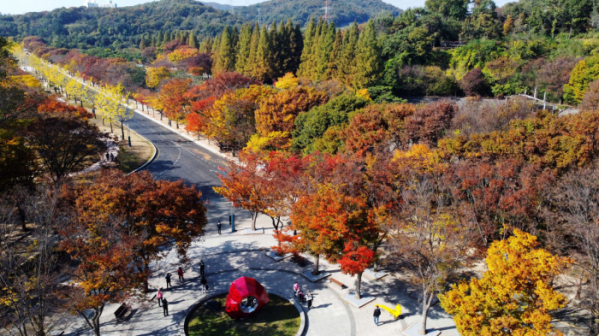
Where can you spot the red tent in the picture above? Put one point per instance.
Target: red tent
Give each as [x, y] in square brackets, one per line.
[246, 296]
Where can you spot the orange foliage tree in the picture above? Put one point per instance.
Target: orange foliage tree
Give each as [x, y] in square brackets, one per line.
[172, 96]
[355, 261]
[160, 213]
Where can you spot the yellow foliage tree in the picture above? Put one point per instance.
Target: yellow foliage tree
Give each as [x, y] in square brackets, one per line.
[289, 81]
[28, 81]
[514, 297]
[155, 75]
[363, 94]
[181, 54]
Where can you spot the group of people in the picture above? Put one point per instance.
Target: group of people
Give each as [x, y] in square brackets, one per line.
[301, 296]
[162, 302]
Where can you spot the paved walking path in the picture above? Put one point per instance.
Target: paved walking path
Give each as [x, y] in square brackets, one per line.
[232, 255]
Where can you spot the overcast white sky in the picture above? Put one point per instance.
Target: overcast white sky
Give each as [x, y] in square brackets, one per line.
[24, 6]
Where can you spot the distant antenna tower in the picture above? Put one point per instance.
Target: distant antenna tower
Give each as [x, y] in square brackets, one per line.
[259, 17]
[326, 10]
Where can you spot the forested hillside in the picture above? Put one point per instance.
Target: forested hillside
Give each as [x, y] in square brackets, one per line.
[342, 12]
[116, 27]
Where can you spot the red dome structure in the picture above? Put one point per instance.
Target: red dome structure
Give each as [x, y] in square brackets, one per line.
[246, 296]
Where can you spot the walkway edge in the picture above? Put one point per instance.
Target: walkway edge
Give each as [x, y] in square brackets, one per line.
[217, 152]
[151, 159]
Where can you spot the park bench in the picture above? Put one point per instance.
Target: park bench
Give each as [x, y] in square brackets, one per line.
[337, 282]
[121, 312]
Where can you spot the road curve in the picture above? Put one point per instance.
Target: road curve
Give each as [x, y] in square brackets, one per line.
[179, 158]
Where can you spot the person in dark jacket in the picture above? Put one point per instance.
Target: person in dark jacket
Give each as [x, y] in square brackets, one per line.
[309, 299]
[168, 280]
[219, 226]
[377, 313]
[165, 307]
[202, 267]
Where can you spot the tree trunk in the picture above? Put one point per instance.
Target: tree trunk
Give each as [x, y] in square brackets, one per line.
[358, 286]
[177, 122]
[122, 130]
[111, 128]
[254, 218]
[315, 271]
[81, 102]
[426, 304]
[22, 217]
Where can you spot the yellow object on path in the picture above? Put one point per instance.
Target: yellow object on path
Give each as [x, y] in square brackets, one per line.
[394, 312]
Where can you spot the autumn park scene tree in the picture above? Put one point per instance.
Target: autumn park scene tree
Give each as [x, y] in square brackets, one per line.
[439, 162]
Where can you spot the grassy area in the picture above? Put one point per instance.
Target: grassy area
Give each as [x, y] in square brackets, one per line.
[279, 317]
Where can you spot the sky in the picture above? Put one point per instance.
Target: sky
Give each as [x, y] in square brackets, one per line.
[24, 6]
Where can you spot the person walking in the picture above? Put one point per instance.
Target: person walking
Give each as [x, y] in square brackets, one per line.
[159, 297]
[377, 313]
[168, 280]
[296, 288]
[309, 299]
[218, 226]
[202, 268]
[165, 307]
[180, 273]
[204, 284]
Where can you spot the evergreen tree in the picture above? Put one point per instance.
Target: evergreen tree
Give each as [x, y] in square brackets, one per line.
[142, 43]
[251, 64]
[368, 58]
[167, 37]
[303, 70]
[173, 36]
[235, 39]
[296, 47]
[335, 58]
[321, 27]
[225, 57]
[153, 41]
[325, 47]
[347, 65]
[193, 40]
[215, 44]
[159, 38]
[276, 52]
[263, 69]
[243, 48]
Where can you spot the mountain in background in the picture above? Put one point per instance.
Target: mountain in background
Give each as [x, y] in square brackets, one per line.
[81, 27]
[342, 12]
[219, 5]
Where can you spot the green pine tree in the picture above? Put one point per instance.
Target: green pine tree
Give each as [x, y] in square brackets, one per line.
[334, 59]
[251, 63]
[225, 56]
[368, 58]
[142, 43]
[325, 48]
[159, 38]
[243, 48]
[263, 63]
[193, 40]
[303, 70]
[347, 66]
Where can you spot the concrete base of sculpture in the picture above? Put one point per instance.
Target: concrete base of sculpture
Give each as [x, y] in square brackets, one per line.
[358, 303]
[370, 273]
[413, 331]
[315, 278]
[274, 256]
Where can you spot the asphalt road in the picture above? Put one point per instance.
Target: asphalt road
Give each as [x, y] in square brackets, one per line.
[179, 158]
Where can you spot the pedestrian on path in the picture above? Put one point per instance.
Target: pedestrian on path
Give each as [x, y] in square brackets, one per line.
[165, 307]
[107, 157]
[159, 297]
[309, 299]
[168, 280]
[204, 285]
[202, 266]
[180, 273]
[377, 313]
[111, 157]
[296, 288]
[219, 225]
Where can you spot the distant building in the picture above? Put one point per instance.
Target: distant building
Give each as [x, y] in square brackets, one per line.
[93, 3]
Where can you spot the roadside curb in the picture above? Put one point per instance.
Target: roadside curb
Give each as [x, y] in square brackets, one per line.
[151, 159]
[215, 151]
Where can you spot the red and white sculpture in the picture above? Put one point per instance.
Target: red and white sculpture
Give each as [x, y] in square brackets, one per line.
[246, 296]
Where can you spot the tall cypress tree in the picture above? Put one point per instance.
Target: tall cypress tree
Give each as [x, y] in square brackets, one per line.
[263, 68]
[334, 59]
[159, 38]
[368, 58]
[142, 43]
[193, 40]
[303, 70]
[347, 66]
[255, 40]
[296, 48]
[153, 41]
[243, 48]
[225, 57]
[325, 47]
[314, 54]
